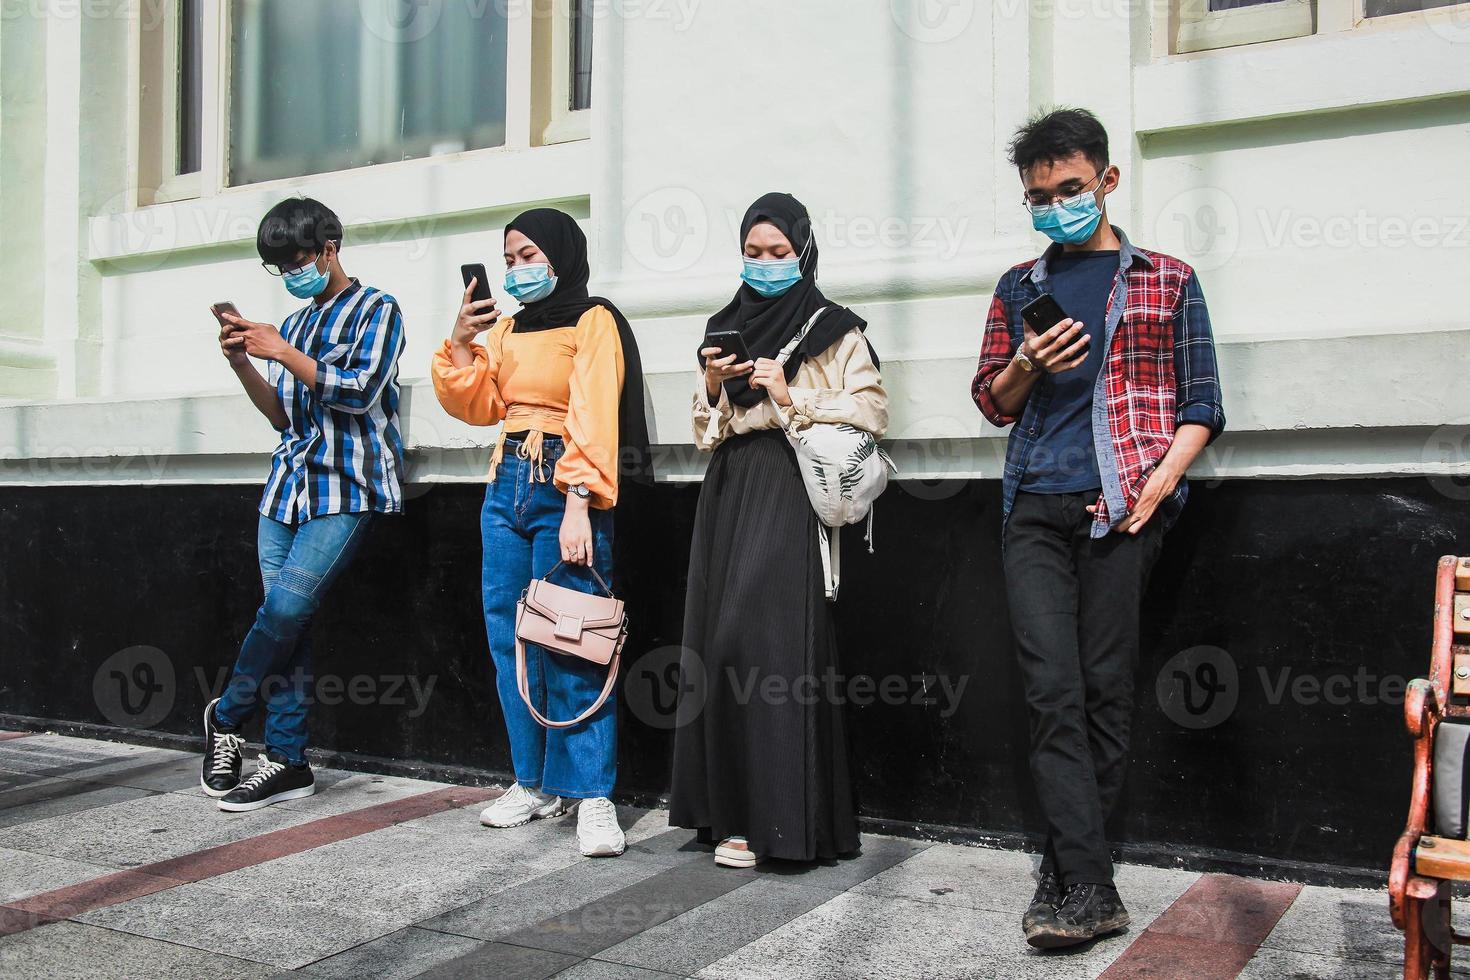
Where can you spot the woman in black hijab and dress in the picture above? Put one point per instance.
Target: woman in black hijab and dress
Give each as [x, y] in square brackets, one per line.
[760, 776]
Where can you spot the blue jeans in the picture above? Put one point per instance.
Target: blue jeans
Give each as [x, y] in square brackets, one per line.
[298, 564]
[519, 525]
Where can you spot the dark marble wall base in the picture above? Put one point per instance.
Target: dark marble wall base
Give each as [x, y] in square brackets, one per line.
[1279, 628]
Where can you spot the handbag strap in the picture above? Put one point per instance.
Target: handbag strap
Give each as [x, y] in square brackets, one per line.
[523, 682]
[795, 342]
[606, 590]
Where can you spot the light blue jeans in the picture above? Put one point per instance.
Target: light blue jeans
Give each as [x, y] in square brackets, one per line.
[298, 564]
[520, 526]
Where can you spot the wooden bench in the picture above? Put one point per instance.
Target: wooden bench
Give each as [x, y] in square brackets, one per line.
[1426, 866]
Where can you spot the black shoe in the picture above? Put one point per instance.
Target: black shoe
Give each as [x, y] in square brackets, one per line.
[222, 756]
[1043, 907]
[1088, 911]
[273, 781]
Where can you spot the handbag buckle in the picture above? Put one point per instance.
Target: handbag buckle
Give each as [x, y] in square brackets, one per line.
[568, 627]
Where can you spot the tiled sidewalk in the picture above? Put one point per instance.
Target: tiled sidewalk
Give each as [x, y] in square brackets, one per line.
[113, 863]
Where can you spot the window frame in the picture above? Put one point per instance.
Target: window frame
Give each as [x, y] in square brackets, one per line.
[552, 118]
[154, 109]
[1189, 28]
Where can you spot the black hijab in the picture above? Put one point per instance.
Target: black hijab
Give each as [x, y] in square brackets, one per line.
[565, 247]
[768, 324]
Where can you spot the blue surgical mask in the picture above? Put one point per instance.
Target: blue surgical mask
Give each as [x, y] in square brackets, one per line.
[771, 277]
[1068, 222]
[306, 282]
[529, 283]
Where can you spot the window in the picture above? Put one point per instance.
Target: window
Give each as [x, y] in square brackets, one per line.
[562, 42]
[335, 84]
[1199, 25]
[171, 69]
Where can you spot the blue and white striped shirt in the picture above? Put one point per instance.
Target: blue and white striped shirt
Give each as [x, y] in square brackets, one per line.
[343, 451]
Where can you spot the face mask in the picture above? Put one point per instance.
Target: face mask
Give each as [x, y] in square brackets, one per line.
[306, 282]
[1068, 222]
[529, 283]
[772, 277]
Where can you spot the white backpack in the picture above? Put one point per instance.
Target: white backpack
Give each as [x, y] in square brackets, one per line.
[844, 471]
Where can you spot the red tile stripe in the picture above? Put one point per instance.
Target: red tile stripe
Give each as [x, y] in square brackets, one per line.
[123, 886]
[1210, 933]
[7, 736]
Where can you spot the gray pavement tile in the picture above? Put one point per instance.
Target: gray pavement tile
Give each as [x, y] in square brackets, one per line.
[1280, 964]
[283, 933]
[403, 876]
[53, 797]
[141, 831]
[340, 791]
[503, 963]
[23, 874]
[863, 936]
[68, 950]
[1350, 923]
[599, 924]
[396, 956]
[1003, 881]
[164, 771]
[507, 911]
[59, 755]
[600, 970]
[688, 943]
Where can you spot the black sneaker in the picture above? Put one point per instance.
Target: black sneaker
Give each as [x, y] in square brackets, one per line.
[1088, 911]
[222, 756]
[273, 781]
[1043, 907]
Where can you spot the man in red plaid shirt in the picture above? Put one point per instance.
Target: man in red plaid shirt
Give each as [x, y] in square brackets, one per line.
[1110, 404]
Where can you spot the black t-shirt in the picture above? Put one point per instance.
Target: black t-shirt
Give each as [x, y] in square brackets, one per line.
[1063, 459]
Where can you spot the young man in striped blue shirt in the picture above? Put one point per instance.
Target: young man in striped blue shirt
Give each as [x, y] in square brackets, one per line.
[331, 390]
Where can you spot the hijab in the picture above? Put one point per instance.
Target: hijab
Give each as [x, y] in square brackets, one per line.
[565, 247]
[769, 323]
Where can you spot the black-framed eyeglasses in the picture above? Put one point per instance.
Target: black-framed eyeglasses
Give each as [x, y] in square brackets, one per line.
[280, 270]
[1047, 200]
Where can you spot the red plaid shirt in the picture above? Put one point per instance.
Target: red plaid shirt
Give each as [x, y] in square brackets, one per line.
[1159, 372]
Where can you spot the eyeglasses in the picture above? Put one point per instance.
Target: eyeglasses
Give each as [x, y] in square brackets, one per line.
[1040, 202]
[284, 271]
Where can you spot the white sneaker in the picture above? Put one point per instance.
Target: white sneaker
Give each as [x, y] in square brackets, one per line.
[598, 832]
[518, 806]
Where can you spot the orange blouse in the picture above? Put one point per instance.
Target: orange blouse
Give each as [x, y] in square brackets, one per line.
[564, 381]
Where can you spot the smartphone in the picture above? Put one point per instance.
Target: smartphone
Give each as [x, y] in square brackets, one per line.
[476, 271]
[729, 342]
[221, 308]
[1043, 313]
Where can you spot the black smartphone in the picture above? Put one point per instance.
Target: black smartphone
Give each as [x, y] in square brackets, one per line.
[222, 307]
[729, 342]
[476, 271]
[1043, 313]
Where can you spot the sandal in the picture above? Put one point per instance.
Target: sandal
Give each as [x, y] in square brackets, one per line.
[735, 852]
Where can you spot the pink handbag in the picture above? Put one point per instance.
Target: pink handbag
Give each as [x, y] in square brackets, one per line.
[573, 624]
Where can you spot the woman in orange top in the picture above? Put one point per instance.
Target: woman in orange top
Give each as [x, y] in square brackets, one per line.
[563, 378]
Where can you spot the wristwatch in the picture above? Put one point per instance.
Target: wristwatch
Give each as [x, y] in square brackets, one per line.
[1026, 363]
[580, 490]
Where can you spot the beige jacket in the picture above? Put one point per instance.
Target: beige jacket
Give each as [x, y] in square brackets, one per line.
[841, 384]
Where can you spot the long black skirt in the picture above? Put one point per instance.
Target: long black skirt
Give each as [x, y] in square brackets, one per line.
[760, 751]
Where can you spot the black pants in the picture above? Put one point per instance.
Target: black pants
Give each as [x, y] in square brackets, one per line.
[1074, 610]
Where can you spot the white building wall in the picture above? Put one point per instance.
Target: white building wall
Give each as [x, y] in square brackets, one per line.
[1317, 183]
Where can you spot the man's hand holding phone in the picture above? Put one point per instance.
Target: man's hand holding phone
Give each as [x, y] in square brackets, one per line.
[241, 336]
[1060, 348]
[234, 353]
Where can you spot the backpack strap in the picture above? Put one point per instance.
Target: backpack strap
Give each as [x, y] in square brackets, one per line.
[829, 543]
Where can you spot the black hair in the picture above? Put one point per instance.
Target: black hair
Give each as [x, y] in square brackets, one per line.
[1057, 134]
[296, 225]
